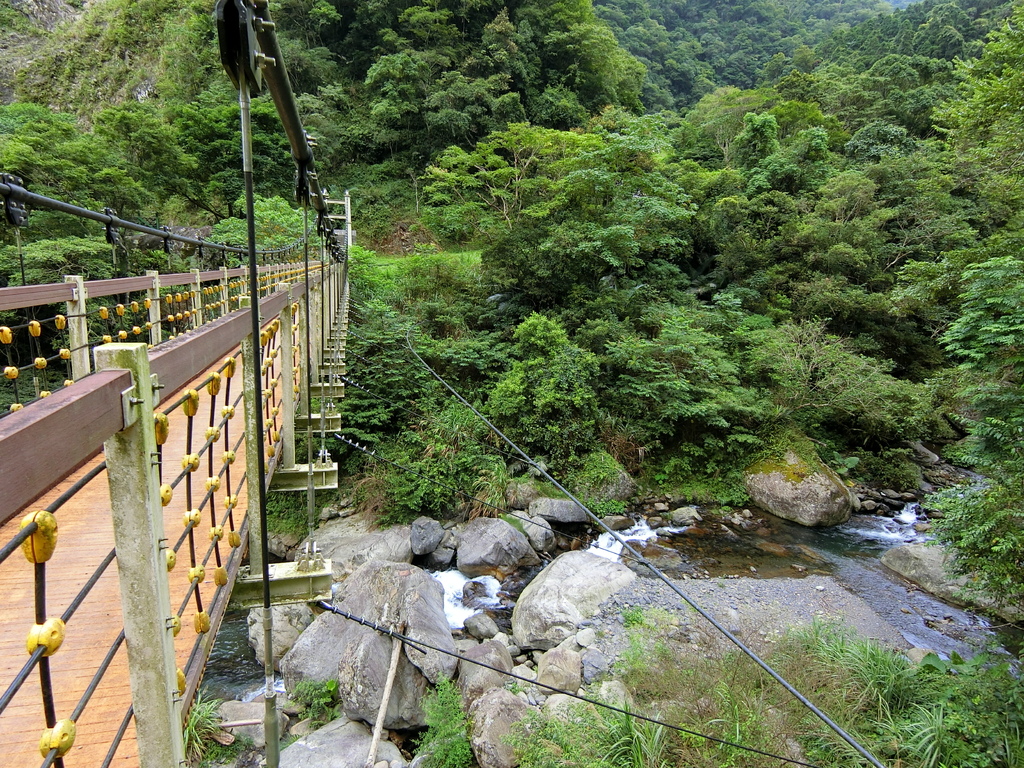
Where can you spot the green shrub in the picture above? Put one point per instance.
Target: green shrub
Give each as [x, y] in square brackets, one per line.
[446, 742]
[319, 700]
[889, 468]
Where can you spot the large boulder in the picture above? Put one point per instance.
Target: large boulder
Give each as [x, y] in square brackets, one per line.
[287, 622]
[801, 489]
[565, 593]
[476, 680]
[519, 495]
[351, 541]
[426, 535]
[539, 534]
[560, 668]
[492, 717]
[925, 565]
[391, 595]
[558, 510]
[339, 744]
[315, 655]
[491, 547]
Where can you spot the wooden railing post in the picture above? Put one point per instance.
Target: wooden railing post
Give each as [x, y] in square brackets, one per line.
[225, 292]
[197, 305]
[155, 317]
[142, 564]
[78, 329]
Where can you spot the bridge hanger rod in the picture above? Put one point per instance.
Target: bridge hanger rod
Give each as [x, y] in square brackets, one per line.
[276, 76]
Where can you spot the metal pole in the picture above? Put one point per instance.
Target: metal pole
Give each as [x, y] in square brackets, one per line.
[310, 490]
[270, 722]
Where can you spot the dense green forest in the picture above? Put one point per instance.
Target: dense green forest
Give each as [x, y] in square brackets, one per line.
[692, 232]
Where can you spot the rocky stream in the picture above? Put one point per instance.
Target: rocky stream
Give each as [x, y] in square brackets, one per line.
[544, 594]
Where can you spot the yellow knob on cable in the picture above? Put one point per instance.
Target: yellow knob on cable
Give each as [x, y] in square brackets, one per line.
[39, 547]
[49, 635]
[201, 622]
[191, 404]
[61, 738]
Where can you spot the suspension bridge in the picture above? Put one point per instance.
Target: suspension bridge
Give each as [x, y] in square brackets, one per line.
[148, 416]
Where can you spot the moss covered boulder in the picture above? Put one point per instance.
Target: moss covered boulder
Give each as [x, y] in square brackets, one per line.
[799, 487]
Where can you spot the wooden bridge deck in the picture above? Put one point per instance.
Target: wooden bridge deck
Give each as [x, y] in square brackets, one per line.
[85, 538]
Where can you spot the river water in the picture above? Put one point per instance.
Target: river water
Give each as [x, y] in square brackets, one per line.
[769, 548]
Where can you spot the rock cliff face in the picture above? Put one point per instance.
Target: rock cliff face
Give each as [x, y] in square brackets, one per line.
[801, 489]
[44, 13]
[21, 39]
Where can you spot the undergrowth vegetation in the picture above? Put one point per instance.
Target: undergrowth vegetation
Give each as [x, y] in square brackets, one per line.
[936, 714]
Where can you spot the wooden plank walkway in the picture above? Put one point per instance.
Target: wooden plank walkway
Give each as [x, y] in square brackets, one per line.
[85, 539]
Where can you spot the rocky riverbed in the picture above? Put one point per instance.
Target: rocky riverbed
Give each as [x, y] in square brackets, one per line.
[756, 574]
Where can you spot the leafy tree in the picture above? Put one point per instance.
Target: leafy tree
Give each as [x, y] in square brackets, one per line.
[546, 401]
[278, 224]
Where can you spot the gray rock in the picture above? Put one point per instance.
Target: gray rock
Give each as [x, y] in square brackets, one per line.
[685, 516]
[482, 626]
[539, 534]
[567, 591]
[302, 728]
[586, 637]
[425, 535]
[558, 510]
[618, 522]
[245, 711]
[392, 595]
[350, 542]
[339, 744]
[804, 491]
[520, 495]
[492, 547]
[440, 558]
[475, 680]
[282, 545]
[595, 665]
[926, 565]
[560, 668]
[561, 707]
[315, 655]
[287, 622]
[524, 671]
[614, 692]
[619, 487]
[492, 717]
